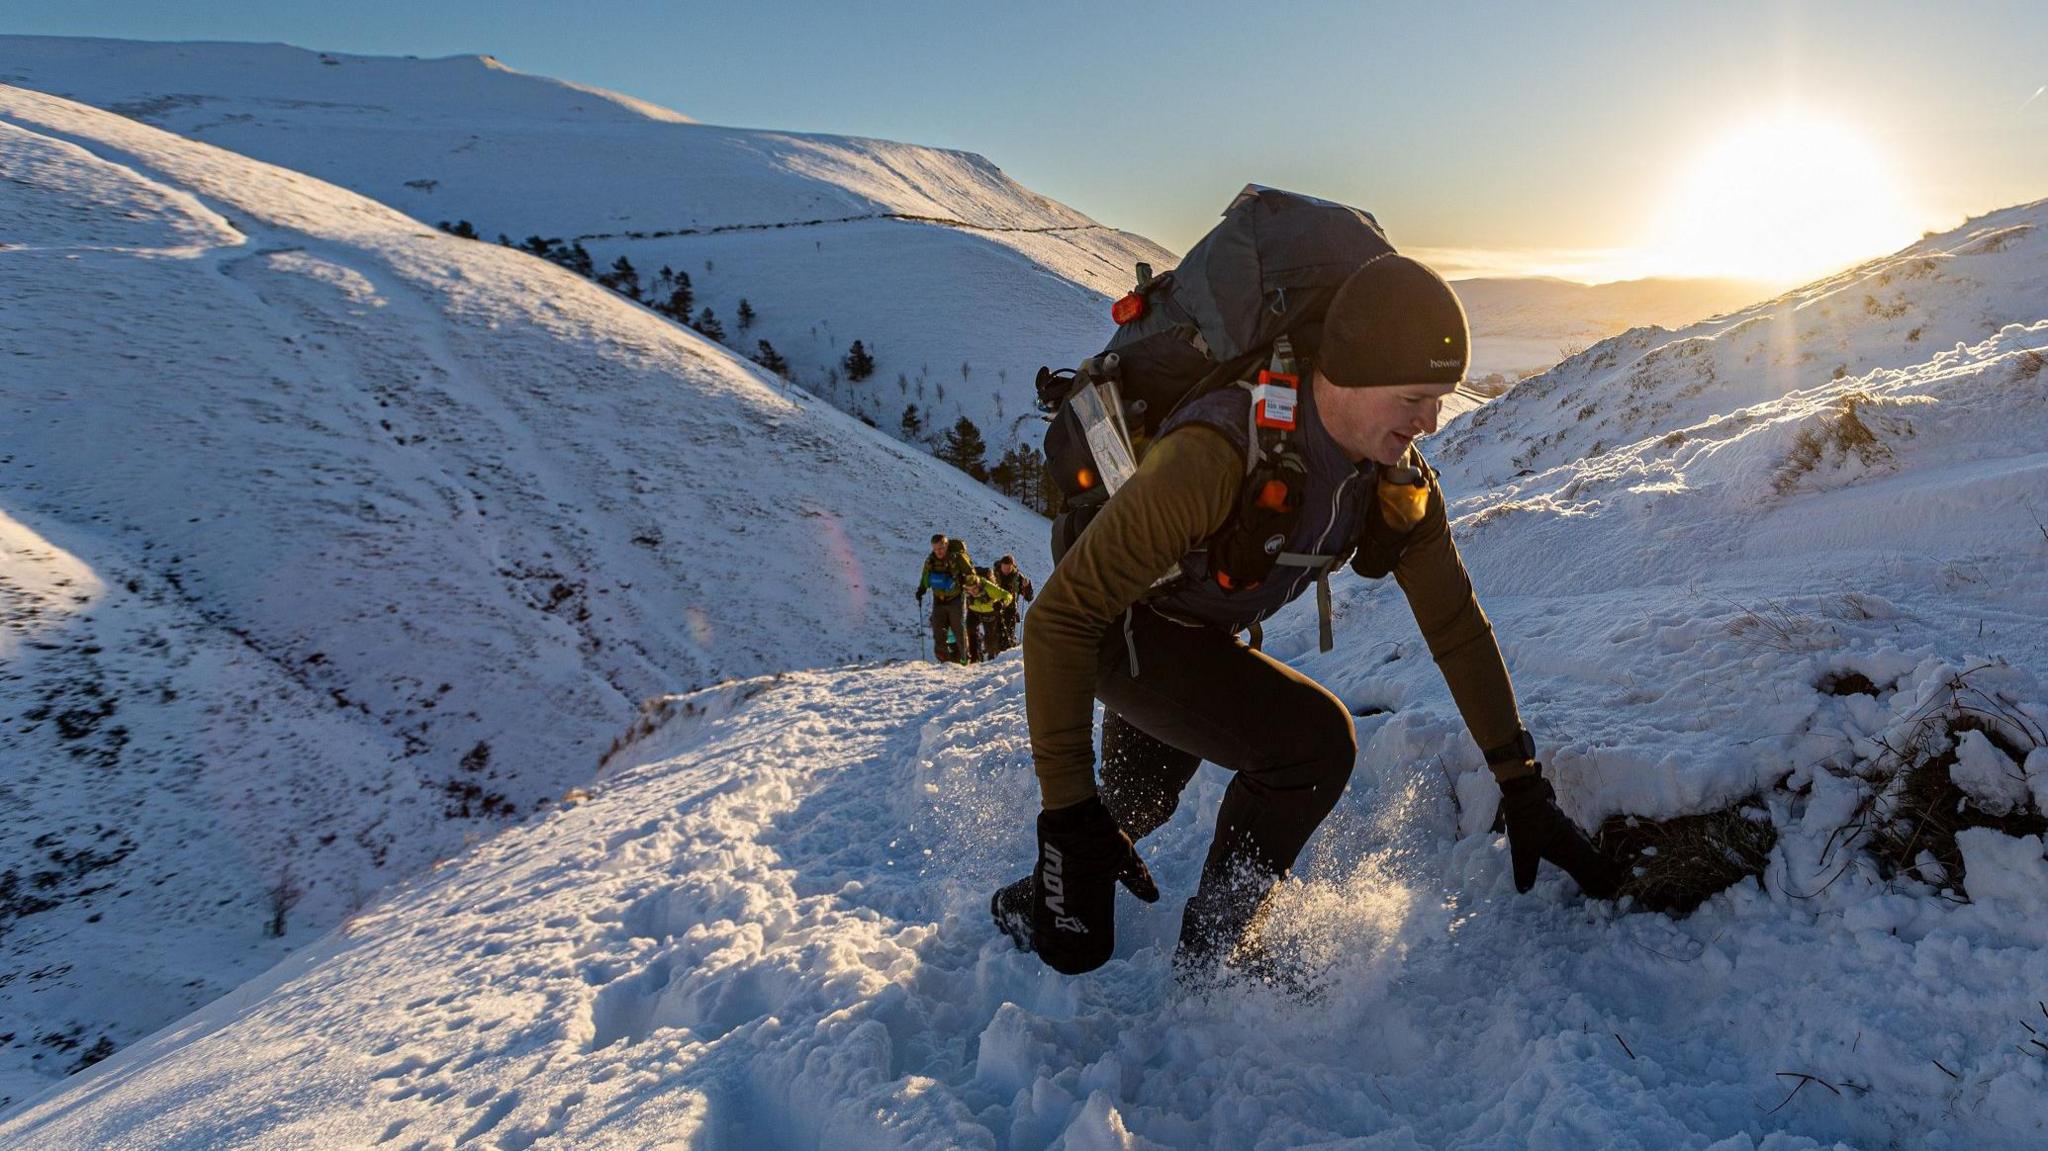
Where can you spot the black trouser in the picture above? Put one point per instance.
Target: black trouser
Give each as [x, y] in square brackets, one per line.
[949, 613]
[984, 634]
[1006, 630]
[1196, 694]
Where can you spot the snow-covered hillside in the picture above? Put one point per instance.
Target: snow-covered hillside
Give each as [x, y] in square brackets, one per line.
[328, 541]
[1937, 301]
[1819, 621]
[933, 259]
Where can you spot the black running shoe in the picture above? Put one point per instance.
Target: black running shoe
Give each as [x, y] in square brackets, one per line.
[1010, 907]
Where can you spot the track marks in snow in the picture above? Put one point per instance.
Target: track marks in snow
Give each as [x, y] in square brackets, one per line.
[494, 1108]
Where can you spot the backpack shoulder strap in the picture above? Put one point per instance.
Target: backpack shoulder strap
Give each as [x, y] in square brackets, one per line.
[1259, 415]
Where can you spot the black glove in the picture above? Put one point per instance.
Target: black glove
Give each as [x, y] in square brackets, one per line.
[920, 595]
[1537, 830]
[1082, 856]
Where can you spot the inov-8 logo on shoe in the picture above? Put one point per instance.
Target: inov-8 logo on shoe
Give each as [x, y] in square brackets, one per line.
[1054, 891]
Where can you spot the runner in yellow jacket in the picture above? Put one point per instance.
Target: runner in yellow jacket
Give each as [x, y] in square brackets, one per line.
[986, 603]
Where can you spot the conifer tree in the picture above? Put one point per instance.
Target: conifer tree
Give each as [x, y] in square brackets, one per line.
[746, 314]
[623, 278]
[766, 356]
[964, 448]
[707, 323]
[681, 299]
[913, 424]
[577, 260]
[1044, 490]
[858, 363]
[1003, 476]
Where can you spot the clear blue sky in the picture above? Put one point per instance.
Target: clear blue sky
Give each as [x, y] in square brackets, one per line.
[1511, 127]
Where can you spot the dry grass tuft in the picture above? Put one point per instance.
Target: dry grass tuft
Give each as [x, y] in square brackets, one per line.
[1675, 865]
[1922, 809]
[1776, 627]
[1834, 437]
[1909, 819]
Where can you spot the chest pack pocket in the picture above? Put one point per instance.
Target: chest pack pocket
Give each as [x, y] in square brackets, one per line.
[1397, 507]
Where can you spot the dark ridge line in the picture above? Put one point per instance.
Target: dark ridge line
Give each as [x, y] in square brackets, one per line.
[941, 221]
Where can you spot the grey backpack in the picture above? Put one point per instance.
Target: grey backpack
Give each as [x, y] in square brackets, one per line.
[1267, 270]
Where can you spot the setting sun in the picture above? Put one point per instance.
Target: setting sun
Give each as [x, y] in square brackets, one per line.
[1782, 199]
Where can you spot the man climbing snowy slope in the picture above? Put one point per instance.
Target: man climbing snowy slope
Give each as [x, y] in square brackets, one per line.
[1179, 687]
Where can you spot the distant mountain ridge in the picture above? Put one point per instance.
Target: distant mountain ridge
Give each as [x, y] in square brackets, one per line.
[1523, 325]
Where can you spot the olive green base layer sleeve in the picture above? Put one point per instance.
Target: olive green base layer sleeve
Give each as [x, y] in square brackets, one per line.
[1182, 493]
[1459, 635]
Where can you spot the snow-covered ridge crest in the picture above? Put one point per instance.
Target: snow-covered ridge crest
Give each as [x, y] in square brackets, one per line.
[959, 280]
[381, 536]
[661, 170]
[451, 87]
[645, 108]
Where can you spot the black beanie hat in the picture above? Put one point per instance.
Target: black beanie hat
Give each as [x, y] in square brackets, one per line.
[1394, 322]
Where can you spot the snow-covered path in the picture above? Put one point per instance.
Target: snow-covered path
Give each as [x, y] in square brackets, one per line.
[767, 929]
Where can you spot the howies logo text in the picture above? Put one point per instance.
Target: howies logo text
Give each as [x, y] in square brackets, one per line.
[1447, 363]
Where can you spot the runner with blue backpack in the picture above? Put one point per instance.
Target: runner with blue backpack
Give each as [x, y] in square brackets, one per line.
[945, 575]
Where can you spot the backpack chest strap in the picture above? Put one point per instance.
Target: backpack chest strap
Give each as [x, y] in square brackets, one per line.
[1325, 637]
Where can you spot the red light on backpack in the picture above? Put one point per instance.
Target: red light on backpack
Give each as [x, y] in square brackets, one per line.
[1084, 479]
[1127, 309]
[1224, 581]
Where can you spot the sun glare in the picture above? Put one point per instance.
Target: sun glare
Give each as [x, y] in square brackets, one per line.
[1784, 199]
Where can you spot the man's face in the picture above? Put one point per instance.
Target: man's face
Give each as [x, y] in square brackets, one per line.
[1377, 424]
[939, 549]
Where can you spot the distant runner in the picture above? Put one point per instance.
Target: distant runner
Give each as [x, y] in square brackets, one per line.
[986, 603]
[945, 575]
[1019, 587]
